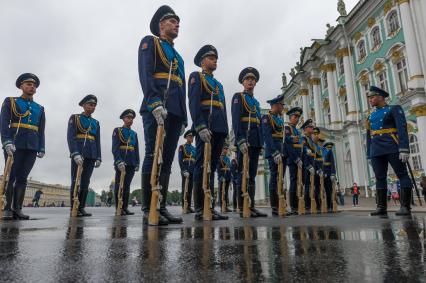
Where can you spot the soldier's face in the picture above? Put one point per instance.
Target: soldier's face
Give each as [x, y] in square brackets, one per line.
[277, 108]
[309, 130]
[29, 88]
[128, 121]
[375, 100]
[316, 137]
[225, 151]
[169, 27]
[249, 83]
[89, 108]
[189, 139]
[294, 119]
[209, 63]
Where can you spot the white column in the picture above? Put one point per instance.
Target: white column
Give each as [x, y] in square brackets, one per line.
[349, 81]
[420, 112]
[332, 95]
[414, 64]
[358, 156]
[304, 92]
[315, 82]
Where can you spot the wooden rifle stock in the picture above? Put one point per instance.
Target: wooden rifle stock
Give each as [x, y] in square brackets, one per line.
[154, 216]
[207, 212]
[334, 196]
[120, 193]
[322, 194]
[76, 202]
[301, 203]
[185, 196]
[4, 182]
[244, 190]
[223, 206]
[281, 190]
[312, 194]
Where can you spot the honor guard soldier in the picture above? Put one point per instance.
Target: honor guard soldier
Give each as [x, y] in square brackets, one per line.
[319, 165]
[309, 167]
[187, 161]
[329, 172]
[22, 135]
[234, 176]
[248, 134]
[294, 145]
[387, 143]
[84, 144]
[208, 113]
[224, 176]
[125, 149]
[273, 131]
[162, 77]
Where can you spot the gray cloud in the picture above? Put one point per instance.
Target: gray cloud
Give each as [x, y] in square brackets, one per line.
[80, 47]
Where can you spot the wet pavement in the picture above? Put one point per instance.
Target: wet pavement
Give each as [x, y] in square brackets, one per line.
[343, 247]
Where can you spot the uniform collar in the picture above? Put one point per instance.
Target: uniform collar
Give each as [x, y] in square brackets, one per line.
[206, 73]
[249, 93]
[83, 114]
[168, 40]
[26, 99]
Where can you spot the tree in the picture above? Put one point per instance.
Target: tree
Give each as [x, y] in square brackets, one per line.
[136, 193]
[174, 197]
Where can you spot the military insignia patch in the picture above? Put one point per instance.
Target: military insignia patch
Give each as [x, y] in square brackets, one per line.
[144, 46]
[235, 100]
[265, 120]
[287, 131]
[193, 81]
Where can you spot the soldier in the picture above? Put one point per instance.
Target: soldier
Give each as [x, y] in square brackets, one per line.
[162, 77]
[224, 176]
[319, 172]
[125, 148]
[387, 143]
[234, 174]
[208, 113]
[248, 133]
[84, 144]
[329, 172]
[273, 131]
[293, 142]
[22, 135]
[308, 160]
[187, 155]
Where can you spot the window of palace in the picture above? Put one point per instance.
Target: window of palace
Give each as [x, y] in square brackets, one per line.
[402, 75]
[324, 80]
[393, 23]
[341, 66]
[376, 38]
[362, 53]
[382, 80]
[415, 152]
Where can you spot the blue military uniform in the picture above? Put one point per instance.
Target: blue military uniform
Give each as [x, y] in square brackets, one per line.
[125, 148]
[309, 161]
[273, 135]
[319, 169]
[157, 56]
[224, 175]
[22, 125]
[234, 176]
[247, 127]
[294, 149]
[205, 94]
[329, 168]
[187, 155]
[83, 136]
[387, 139]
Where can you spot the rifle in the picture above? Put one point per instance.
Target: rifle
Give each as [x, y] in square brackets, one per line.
[244, 190]
[323, 200]
[281, 190]
[185, 196]
[414, 183]
[76, 188]
[301, 204]
[120, 193]
[5, 182]
[154, 207]
[223, 206]
[334, 194]
[207, 212]
[312, 193]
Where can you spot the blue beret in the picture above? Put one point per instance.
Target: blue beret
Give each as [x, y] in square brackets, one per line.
[128, 112]
[163, 13]
[27, 77]
[206, 50]
[329, 143]
[278, 99]
[189, 133]
[308, 123]
[248, 72]
[295, 110]
[377, 91]
[90, 98]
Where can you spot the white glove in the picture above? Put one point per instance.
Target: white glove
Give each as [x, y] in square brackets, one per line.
[244, 148]
[10, 149]
[160, 114]
[186, 174]
[40, 154]
[404, 157]
[319, 172]
[136, 168]
[299, 163]
[78, 159]
[205, 135]
[311, 170]
[97, 163]
[121, 166]
[333, 178]
[277, 158]
[182, 130]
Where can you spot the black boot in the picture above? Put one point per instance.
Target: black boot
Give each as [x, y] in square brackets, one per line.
[273, 198]
[126, 194]
[198, 200]
[382, 204]
[164, 183]
[405, 209]
[146, 201]
[82, 196]
[7, 213]
[293, 203]
[252, 191]
[18, 200]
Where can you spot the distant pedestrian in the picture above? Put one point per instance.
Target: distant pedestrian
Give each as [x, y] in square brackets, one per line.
[340, 195]
[355, 195]
[423, 185]
[62, 204]
[37, 197]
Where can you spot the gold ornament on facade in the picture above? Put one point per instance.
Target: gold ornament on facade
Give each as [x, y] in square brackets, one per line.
[371, 22]
[316, 45]
[419, 111]
[328, 67]
[379, 66]
[342, 52]
[326, 104]
[399, 2]
[342, 91]
[396, 56]
[312, 114]
[388, 6]
[314, 81]
[304, 91]
[410, 128]
[357, 36]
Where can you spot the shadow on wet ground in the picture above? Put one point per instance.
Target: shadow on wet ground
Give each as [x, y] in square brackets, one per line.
[339, 247]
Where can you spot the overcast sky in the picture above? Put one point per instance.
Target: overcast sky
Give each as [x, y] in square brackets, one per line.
[79, 47]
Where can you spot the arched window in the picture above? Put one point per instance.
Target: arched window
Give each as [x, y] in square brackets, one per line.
[341, 66]
[361, 50]
[393, 23]
[324, 80]
[402, 74]
[415, 152]
[382, 80]
[375, 38]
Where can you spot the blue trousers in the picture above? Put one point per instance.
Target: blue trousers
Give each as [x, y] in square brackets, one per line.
[88, 165]
[380, 168]
[293, 177]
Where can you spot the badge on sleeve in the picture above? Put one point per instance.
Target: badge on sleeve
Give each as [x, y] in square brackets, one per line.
[236, 101]
[144, 45]
[193, 80]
